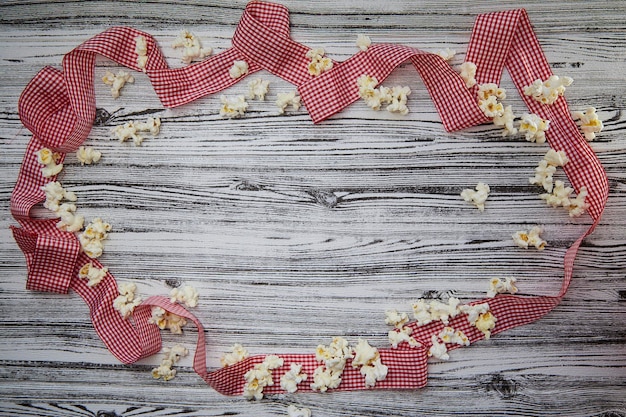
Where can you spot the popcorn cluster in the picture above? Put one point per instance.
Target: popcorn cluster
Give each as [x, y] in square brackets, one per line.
[94, 274]
[500, 286]
[290, 380]
[368, 359]
[334, 357]
[237, 354]
[534, 128]
[284, 100]
[87, 155]
[91, 239]
[131, 130]
[525, 239]
[192, 47]
[166, 320]
[117, 81]
[477, 196]
[395, 98]
[260, 377]
[400, 334]
[589, 122]
[239, 69]
[186, 295]
[50, 161]
[480, 316]
[55, 193]
[126, 302]
[172, 356]
[547, 92]
[427, 311]
[363, 42]
[293, 411]
[319, 63]
[141, 49]
[468, 72]
[233, 106]
[439, 349]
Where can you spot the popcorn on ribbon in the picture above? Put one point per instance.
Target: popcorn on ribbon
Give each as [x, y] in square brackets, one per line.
[50, 161]
[480, 316]
[126, 302]
[534, 128]
[172, 356]
[525, 239]
[398, 336]
[237, 354]
[426, 312]
[70, 221]
[319, 63]
[166, 320]
[468, 72]
[239, 69]
[501, 285]
[192, 47]
[507, 121]
[589, 122]
[293, 411]
[94, 274]
[290, 380]
[334, 358]
[257, 89]
[91, 239]
[260, 377]
[284, 100]
[368, 359]
[55, 193]
[131, 130]
[363, 42]
[87, 155]
[447, 335]
[117, 81]
[141, 49]
[233, 106]
[547, 92]
[447, 54]
[477, 196]
[395, 97]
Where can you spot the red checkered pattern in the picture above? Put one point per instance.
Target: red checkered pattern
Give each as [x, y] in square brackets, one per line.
[58, 107]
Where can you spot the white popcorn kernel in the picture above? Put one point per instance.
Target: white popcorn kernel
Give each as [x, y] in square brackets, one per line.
[260, 377]
[485, 323]
[94, 274]
[421, 312]
[578, 205]
[233, 106]
[166, 320]
[284, 100]
[192, 47]
[126, 302]
[335, 355]
[474, 311]
[70, 221]
[500, 286]
[398, 336]
[399, 97]
[491, 107]
[364, 353]
[87, 155]
[468, 72]
[363, 42]
[589, 122]
[447, 54]
[368, 358]
[55, 193]
[547, 92]
[239, 69]
[534, 128]
[490, 90]
[325, 379]
[293, 411]
[398, 320]
[128, 131]
[544, 175]
[186, 295]
[141, 49]
[559, 195]
[92, 247]
[290, 380]
[172, 356]
[257, 89]
[557, 159]
[438, 350]
[506, 120]
[50, 161]
[319, 63]
[373, 372]
[152, 125]
[449, 335]
[525, 239]
[477, 196]
[93, 235]
[237, 354]
[117, 81]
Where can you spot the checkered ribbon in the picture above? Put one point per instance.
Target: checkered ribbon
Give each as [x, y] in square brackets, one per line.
[58, 107]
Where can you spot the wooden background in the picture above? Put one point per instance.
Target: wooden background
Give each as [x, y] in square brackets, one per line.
[294, 232]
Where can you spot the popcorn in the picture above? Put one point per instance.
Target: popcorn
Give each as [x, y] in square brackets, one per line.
[50, 162]
[325, 379]
[525, 239]
[438, 350]
[94, 274]
[399, 97]
[294, 411]
[402, 335]
[543, 175]
[435, 310]
[318, 63]
[70, 221]
[490, 90]
[557, 159]
[166, 320]
[468, 72]
[363, 42]
[474, 311]
[559, 196]
[239, 69]
[152, 125]
[87, 155]
[491, 107]
[238, 353]
[506, 120]
[257, 89]
[368, 358]
[260, 377]
[485, 323]
[186, 295]
[91, 238]
[55, 193]
[290, 380]
[534, 127]
[126, 302]
[284, 100]
[141, 49]
[477, 196]
[233, 107]
[192, 48]
[578, 205]
[398, 320]
[499, 286]
[172, 356]
[130, 130]
[117, 81]
[447, 54]
[395, 97]
[589, 122]
[335, 355]
[549, 91]
[449, 335]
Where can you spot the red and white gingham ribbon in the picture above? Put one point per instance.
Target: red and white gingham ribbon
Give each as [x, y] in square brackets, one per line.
[58, 107]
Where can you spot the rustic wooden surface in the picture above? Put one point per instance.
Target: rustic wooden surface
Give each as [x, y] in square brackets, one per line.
[294, 232]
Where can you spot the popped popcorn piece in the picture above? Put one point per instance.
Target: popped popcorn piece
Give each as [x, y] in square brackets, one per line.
[319, 63]
[506, 120]
[283, 100]
[557, 159]
[485, 323]
[239, 69]
[97, 229]
[335, 355]
[534, 128]
[398, 336]
[559, 195]
[525, 239]
[166, 320]
[589, 122]
[490, 90]
[395, 97]
[500, 285]
[117, 81]
[260, 377]
[238, 353]
[126, 302]
[364, 353]
[547, 92]
[130, 130]
[93, 235]
[447, 54]
[293, 411]
[474, 311]
[398, 320]
[491, 107]
[363, 42]
[290, 380]
[70, 221]
[435, 310]
[55, 193]
[544, 175]
[172, 356]
[141, 49]
[94, 274]
[186, 295]
[50, 161]
[468, 72]
[373, 372]
[399, 97]
[92, 247]
[257, 89]
[152, 125]
[233, 106]
[578, 205]
[325, 379]
[192, 47]
[87, 155]
[438, 350]
[449, 335]
[477, 196]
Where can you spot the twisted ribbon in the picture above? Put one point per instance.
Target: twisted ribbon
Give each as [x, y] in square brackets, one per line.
[58, 107]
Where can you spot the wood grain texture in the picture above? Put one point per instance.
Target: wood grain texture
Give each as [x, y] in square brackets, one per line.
[294, 232]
